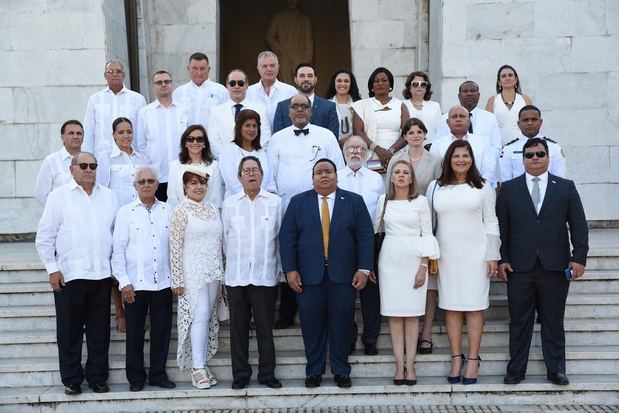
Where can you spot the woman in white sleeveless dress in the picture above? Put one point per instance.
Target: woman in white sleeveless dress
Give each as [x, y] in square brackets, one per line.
[467, 230]
[507, 102]
[380, 118]
[403, 265]
[197, 276]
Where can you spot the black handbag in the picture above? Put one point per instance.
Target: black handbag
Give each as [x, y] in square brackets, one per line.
[379, 237]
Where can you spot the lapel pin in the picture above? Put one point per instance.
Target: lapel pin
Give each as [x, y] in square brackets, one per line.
[554, 182]
[341, 197]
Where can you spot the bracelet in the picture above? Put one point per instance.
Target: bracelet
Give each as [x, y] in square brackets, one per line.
[424, 265]
[391, 150]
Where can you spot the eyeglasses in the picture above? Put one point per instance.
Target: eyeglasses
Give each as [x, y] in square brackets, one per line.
[192, 139]
[149, 181]
[162, 82]
[419, 84]
[114, 72]
[353, 149]
[250, 171]
[233, 83]
[84, 166]
[539, 154]
[297, 106]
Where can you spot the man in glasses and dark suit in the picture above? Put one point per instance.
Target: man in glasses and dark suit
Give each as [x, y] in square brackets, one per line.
[74, 241]
[534, 211]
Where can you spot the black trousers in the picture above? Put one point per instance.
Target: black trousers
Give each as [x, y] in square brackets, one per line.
[243, 301]
[162, 192]
[287, 303]
[83, 305]
[546, 290]
[159, 303]
[370, 310]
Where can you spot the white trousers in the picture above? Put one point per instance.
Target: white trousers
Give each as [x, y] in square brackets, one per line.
[199, 326]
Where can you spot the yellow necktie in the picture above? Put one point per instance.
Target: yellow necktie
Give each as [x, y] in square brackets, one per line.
[324, 212]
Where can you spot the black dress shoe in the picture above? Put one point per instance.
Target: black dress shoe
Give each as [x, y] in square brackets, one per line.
[164, 384]
[99, 387]
[273, 383]
[282, 324]
[558, 378]
[370, 349]
[312, 381]
[410, 382]
[73, 390]
[238, 384]
[399, 382]
[513, 378]
[342, 380]
[136, 386]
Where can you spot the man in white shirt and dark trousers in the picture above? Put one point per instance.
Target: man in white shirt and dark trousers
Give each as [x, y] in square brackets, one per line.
[223, 117]
[141, 264]
[251, 220]
[55, 169]
[200, 94]
[74, 241]
[160, 126]
[357, 178]
[292, 154]
[104, 107]
[268, 90]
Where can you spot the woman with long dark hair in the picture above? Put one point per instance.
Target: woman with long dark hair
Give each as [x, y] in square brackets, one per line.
[343, 91]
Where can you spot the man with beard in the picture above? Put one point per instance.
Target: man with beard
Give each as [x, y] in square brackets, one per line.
[324, 112]
[357, 178]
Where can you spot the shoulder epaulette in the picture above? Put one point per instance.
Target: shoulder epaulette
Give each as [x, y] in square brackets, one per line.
[512, 141]
[549, 140]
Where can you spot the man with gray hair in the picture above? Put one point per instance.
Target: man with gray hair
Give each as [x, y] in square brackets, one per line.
[357, 178]
[141, 264]
[74, 241]
[103, 107]
[268, 90]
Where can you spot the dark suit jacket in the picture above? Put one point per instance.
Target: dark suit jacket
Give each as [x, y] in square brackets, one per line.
[324, 114]
[351, 238]
[525, 234]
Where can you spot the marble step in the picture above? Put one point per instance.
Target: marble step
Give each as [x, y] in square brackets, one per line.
[42, 343]
[365, 393]
[43, 371]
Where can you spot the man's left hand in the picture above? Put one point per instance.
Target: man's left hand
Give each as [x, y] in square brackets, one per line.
[577, 269]
[359, 280]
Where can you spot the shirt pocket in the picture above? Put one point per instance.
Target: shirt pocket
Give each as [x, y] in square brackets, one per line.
[78, 259]
[237, 224]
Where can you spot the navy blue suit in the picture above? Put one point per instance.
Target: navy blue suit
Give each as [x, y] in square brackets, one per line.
[327, 303]
[324, 114]
[537, 247]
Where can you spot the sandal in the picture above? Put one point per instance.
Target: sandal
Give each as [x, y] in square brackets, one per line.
[210, 376]
[425, 350]
[199, 379]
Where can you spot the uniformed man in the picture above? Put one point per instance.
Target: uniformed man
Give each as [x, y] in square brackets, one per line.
[530, 122]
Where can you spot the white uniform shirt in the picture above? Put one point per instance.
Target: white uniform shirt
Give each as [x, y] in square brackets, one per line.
[141, 252]
[74, 235]
[485, 156]
[292, 158]
[279, 91]
[158, 134]
[221, 124]
[55, 172]
[368, 184]
[103, 108]
[484, 125]
[229, 159]
[199, 100]
[251, 246]
[511, 160]
[116, 172]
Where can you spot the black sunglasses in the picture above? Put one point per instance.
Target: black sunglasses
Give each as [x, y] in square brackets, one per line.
[85, 165]
[191, 139]
[233, 83]
[539, 154]
[149, 181]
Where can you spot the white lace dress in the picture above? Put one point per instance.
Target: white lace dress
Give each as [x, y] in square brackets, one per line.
[196, 260]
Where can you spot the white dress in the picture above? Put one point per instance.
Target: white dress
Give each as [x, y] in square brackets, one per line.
[468, 235]
[430, 114]
[381, 122]
[195, 260]
[408, 238]
[508, 118]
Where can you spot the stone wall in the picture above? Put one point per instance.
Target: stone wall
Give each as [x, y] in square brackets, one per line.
[566, 53]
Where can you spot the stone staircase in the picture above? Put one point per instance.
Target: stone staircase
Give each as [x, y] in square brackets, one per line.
[29, 378]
